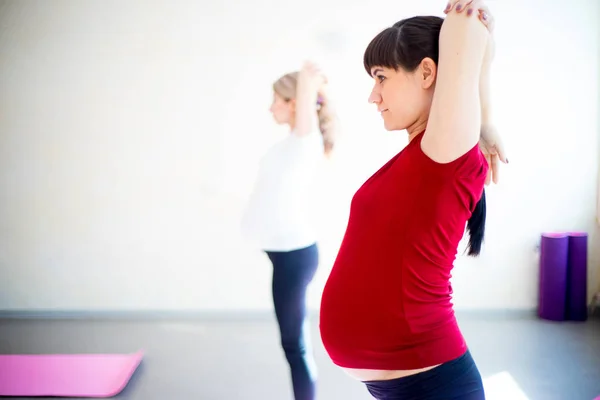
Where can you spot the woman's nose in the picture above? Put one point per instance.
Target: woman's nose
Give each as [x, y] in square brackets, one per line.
[374, 97]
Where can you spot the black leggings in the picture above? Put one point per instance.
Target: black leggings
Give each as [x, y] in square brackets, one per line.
[292, 272]
[458, 379]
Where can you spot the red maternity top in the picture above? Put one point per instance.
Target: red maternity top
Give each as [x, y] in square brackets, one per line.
[387, 302]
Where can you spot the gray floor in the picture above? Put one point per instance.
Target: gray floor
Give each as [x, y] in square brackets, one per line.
[240, 359]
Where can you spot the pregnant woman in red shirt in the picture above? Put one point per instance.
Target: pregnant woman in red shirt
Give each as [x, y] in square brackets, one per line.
[386, 312]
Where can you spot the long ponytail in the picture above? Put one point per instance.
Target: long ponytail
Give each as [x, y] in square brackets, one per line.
[476, 227]
[328, 123]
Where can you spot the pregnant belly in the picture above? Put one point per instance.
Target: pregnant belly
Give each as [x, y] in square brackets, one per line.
[364, 375]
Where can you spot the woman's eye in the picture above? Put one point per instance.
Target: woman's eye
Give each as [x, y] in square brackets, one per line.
[380, 78]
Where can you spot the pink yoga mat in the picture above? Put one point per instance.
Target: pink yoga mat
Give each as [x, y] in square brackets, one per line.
[66, 375]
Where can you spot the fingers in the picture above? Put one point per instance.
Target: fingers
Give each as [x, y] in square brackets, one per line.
[457, 5]
[493, 174]
[314, 71]
[483, 12]
[488, 177]
[500, 151]
[310, 66]
[486, 18]
[495, 168]
[472, 6]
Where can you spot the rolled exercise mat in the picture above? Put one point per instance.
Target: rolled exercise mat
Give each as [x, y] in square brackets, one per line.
[577, 309]
[66, 375]
[553, 276]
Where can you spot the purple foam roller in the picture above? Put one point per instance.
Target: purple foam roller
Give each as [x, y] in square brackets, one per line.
[553, 276]
[577, 277]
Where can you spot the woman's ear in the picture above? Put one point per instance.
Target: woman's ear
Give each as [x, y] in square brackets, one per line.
[427, 73]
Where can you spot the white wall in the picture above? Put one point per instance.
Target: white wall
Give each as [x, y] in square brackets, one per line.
[130, 133]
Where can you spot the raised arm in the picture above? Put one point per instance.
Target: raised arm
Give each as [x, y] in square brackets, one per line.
[490, 141]
[310, 80]
[486, 69]
[455, 118]
[485, 85]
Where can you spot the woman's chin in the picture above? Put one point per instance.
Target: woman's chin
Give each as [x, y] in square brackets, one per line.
[393, 125]
[389, 126]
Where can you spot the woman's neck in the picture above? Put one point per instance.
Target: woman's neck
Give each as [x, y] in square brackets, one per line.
[415, 129]
[292, 125]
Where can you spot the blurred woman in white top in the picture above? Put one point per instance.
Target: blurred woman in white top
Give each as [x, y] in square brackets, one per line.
[278, 217]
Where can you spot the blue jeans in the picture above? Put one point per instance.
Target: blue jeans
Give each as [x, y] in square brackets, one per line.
[292, 273]
[458, 379]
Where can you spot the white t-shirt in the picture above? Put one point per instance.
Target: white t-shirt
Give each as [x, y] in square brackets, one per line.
[278, 215]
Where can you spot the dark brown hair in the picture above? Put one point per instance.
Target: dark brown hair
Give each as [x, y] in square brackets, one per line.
[403, 46]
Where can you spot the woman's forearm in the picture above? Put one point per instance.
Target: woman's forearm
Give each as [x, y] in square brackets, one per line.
[306, 100]
[485, 96]
[485, 88]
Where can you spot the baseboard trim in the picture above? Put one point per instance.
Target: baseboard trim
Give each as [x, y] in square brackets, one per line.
[497, 313]
[216, 315]
[141, 315]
